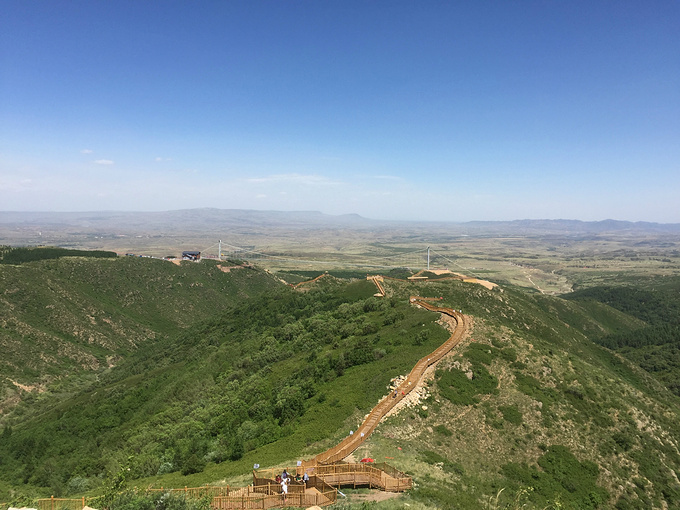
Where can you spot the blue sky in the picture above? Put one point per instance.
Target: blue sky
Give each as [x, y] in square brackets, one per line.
[477, 110]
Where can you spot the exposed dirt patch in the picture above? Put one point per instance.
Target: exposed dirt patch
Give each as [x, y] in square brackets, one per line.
[227, 269]
[483, 283]
[27, 387]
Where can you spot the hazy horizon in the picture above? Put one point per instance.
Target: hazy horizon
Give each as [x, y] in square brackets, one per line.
[314, 212]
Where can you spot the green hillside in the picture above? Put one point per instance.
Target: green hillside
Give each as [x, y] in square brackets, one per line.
[654, 342]
[529, 411]
[66, 317]
[567, 422]
[225, 387]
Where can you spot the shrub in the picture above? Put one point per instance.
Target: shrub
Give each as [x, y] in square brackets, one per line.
[193, 464]
[511, 414]
[480, 353]
[134, 500]
[441, 429]
[447, 465]
[421, 338]
[623, 440]
[455, 386]
[562, 477]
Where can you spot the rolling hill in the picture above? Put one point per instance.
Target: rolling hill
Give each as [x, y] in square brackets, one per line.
[71, 316]
[529, 411]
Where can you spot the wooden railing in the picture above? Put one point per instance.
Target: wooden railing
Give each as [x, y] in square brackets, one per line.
[374, 476]
[263, 501]
[314, 492]
[80, 503]
[62, 503]
[324, 477]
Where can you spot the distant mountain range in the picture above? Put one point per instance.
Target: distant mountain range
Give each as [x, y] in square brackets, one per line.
[573, 226]
[194, 219]
[206, 219]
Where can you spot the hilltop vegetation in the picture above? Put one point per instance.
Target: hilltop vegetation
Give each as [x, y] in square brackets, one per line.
[10, 255]
[529, 411]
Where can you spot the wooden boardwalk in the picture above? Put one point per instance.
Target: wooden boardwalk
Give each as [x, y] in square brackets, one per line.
[353, 441]
[326, 477]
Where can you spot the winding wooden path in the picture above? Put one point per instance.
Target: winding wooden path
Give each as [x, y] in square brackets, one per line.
[353, 441]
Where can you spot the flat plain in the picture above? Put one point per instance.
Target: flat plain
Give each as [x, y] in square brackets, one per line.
[550, 257]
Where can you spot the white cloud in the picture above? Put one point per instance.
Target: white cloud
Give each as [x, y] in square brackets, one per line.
[294, 178]
[389, 177]
[15, 184]
[162, 159]
[104, 162]
[86, 151]
[261, 195]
